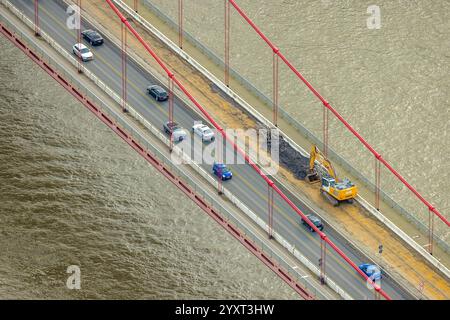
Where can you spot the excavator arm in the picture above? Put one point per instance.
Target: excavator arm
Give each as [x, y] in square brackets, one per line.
[316, 154]
[330, 170]
[312, 157]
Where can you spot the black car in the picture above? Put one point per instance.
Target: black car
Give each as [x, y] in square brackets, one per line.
[158, 93]
[93, 37]
[314, 220]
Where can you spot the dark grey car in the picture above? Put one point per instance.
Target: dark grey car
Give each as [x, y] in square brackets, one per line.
[315, 220]
[175, 131]
[157, 92]
[93, 37]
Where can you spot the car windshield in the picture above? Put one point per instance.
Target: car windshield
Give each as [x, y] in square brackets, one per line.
[84, 50]
[371, 269]
[223, 168]
[207, 131]
[174, 126]
[313, 219]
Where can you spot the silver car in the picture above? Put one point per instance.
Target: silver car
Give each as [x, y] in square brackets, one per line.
[83, 52]
[203, 131]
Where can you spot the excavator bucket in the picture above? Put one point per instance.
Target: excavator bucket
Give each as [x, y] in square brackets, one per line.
[312, 177]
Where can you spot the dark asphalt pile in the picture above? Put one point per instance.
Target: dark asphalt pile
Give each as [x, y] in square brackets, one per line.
[292, 159]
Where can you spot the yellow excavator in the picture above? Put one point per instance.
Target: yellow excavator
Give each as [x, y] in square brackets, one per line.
[335, 190]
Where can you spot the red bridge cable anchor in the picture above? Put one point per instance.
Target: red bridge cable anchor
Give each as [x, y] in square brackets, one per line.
[124, 67]
[322, 260]
[170, 77]
[377, 182]
[325, 131]
[227, 42]
[430, 230]
[78, 29]
[270, 209]
[219, 156]
[275, 89]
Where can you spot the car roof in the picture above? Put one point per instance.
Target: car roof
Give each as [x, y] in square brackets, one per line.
[219, 164]
[80, 46]
[313, 218]
[158, 88]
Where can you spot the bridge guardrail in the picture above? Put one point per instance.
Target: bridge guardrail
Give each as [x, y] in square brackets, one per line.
[406, 238]
[129, 128]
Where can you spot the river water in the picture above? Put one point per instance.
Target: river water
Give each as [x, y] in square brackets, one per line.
[72, 193]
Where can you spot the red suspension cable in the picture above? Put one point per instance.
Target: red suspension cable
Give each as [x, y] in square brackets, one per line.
[241, 152]
[334, 111]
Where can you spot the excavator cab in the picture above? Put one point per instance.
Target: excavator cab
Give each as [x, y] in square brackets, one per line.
[328, 182]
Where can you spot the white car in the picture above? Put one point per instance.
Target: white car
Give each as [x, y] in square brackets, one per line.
[203, 131]
[83, 52]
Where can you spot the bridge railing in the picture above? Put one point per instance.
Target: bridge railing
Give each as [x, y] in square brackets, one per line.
[438, 235]
[411, 241]
[117, 117]
[173, 81]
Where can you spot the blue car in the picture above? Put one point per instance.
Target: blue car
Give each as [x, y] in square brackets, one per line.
[221, 170]
[371, 270]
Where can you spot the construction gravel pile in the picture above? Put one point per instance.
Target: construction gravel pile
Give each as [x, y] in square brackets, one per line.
[292, 159]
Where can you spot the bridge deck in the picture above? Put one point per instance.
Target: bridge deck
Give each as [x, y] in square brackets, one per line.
[350, 220]
[217, 104]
